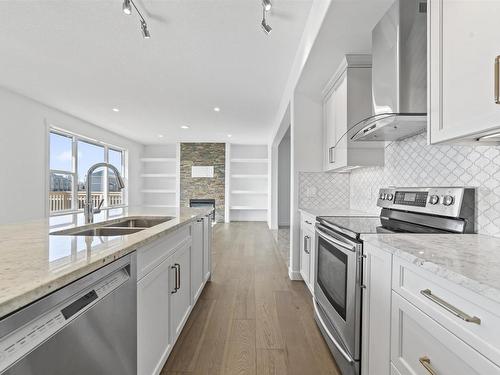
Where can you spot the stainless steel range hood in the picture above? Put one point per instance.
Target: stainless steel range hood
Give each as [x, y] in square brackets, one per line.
[399, 74]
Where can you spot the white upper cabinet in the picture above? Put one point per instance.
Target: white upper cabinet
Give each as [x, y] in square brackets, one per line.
[347, 99]
[463, 45]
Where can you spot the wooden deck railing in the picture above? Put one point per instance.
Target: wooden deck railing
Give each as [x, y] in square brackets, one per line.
[61, 200]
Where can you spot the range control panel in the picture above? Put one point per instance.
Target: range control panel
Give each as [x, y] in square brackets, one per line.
[443, 201]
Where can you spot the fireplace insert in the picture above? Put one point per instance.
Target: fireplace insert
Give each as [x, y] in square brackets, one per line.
[204, 203]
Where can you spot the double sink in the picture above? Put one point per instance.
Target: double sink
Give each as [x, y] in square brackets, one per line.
[117, 227]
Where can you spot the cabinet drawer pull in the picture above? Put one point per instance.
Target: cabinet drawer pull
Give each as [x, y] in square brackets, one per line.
[306, 245]
[450, 308]
[497, 80]
[177, 276]
[426, 362]
[308, 222]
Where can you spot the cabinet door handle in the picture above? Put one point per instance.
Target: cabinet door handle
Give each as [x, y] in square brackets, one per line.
[308, 222]
[497, 80]
[306, 245]
[175, 277]
[426, 362]
[450, 308]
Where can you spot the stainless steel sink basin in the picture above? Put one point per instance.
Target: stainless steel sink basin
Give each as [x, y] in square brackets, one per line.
[140, 222]
[100, 232]
[121, 227]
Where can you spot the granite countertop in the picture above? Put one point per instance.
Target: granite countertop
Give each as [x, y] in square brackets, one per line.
[336, 212]
[34, 263]
[469, 260]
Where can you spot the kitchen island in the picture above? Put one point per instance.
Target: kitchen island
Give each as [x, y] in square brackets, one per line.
[35, 263]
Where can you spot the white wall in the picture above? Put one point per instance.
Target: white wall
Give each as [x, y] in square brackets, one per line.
[307, 156]
[284, 165]
[24, 155]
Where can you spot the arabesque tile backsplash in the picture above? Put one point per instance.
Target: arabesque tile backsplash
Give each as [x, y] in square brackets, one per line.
[411, 162]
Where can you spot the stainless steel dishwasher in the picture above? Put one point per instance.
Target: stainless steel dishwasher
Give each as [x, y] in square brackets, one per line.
[85, 328]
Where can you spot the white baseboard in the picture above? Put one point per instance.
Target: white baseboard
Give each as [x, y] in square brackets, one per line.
[294, 275]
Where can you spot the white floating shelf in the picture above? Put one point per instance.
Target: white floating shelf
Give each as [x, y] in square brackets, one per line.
[157, 160]
[248, 208]
[249, 192]
[254, 160]
[158, 191]
[159, 175]
[249, 176]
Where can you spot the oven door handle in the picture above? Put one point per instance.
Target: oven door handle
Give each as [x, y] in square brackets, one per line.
[330, 336]
[334, 241]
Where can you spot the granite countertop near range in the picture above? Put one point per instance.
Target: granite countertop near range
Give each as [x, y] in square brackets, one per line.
[337, 212]
[469, 260]
[35, 263]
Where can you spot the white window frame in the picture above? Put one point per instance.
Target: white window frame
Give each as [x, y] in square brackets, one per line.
[75, 138]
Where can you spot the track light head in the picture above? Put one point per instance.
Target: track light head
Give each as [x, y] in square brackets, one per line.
[145, 31]
[267, 29]
[265, 26]
[267, 5]
[127, 7]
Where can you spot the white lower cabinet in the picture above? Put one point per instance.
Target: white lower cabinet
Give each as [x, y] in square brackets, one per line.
[419, 345]
[305, 257]
[165, 297]
[376, 319]
[153, 324]
[197, 259]
[417, 323]
[307, 250]
[207, 247]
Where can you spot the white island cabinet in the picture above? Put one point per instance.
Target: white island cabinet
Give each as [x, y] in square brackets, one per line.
[172, 272]
[463, 45]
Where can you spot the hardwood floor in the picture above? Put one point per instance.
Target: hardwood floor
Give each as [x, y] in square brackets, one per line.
[251, 319]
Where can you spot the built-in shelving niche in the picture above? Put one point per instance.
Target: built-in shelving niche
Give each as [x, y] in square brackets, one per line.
[247, 167]
[160, 178]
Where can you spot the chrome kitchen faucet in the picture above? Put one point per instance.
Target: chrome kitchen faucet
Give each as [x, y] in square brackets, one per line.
[89, 210]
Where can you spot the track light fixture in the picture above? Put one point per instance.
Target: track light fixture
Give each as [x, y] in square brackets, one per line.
[145, 31]
[267, 5]
[127, 9]
[267, 29]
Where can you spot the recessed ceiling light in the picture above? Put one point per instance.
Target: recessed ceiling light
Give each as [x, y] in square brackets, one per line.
[216, 109]
[184, 127]
[160, 135]
[229, 135]
[116, 110]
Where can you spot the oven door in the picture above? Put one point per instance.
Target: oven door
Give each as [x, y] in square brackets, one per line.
[337, 288]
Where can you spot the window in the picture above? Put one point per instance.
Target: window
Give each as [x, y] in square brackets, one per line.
[70, 157]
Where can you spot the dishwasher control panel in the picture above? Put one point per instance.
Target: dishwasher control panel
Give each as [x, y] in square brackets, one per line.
[21, 342]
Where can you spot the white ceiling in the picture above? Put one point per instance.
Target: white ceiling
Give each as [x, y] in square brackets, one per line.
[86, 57]
[347, 28]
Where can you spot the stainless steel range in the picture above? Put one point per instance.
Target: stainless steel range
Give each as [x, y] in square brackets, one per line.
[339, 256]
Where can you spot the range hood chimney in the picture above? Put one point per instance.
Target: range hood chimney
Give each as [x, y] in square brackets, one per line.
[399, 74]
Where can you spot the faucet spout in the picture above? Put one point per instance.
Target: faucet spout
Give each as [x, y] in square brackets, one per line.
[89, 206]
